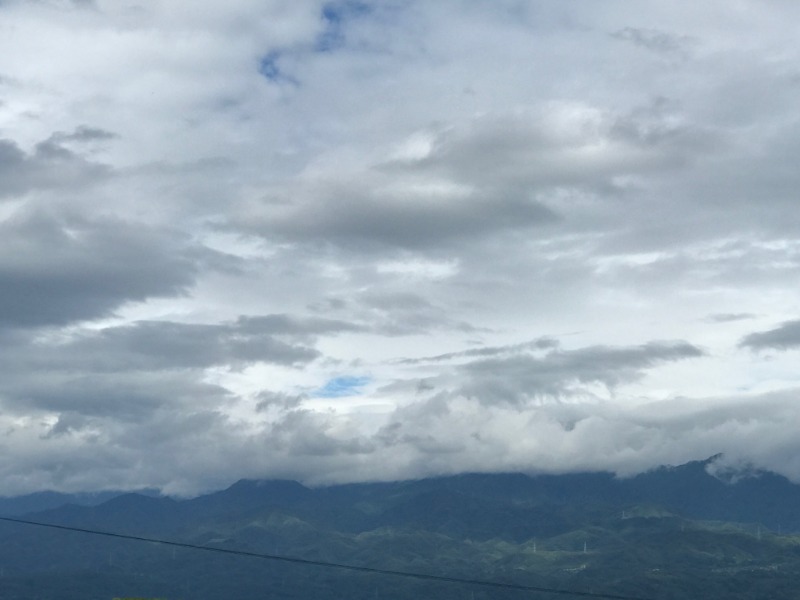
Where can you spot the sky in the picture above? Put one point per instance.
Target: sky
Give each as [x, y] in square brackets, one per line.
[340, 241]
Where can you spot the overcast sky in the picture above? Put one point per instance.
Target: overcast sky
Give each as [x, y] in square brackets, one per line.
[347, 241]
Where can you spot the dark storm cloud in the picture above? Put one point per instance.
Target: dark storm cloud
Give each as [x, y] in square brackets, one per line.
[522, 376]
[55, 270]
[784, 337]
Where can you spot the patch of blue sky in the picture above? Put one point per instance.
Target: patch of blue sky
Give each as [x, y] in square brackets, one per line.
[335, 14]
[270, 67]
[339, 387]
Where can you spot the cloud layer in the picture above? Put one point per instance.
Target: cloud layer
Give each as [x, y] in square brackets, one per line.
[337, 241]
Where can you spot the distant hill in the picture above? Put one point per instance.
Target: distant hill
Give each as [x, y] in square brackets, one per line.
[39, 501]
[674, 532]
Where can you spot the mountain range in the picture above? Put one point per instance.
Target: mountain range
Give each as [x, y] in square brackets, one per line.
[674, 532]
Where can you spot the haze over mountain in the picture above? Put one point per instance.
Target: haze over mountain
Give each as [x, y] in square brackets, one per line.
[695, 490]
[39, 501]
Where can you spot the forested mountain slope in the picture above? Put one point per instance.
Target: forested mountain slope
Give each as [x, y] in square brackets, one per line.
[671, 533]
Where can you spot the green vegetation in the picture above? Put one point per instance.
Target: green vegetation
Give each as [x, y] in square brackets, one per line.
[452, 527]
[658, 557]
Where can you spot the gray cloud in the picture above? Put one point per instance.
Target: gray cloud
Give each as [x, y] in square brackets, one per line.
[58, 270]
[268, 400]
[82, 134]
[480, 178]
[655, 40]
[81, 399]
[394, 313]
[50, 166]
[407, 313]
[284, 324]
[352, 214]
[94, 381]
[157, 345]
[439, 437]
[451, 435]
[522, 377]
[552, 148]
[729, 317]
[784, 337]
[539, 344]
[150, 351]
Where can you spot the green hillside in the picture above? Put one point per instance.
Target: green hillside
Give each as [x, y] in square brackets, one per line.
[552, 533]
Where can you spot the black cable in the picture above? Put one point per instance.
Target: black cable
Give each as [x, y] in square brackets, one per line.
[319, 563]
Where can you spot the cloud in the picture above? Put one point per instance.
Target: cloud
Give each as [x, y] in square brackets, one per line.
[655, 40]
[94, 400]
[268, 400]
[729, 317]
[60, 269]
[458, 434]
[142, 385]
[353, 214]
[50, 166]
[144, 365]
[523, 377]
[406, 313]
[564, 144]
[462, 434]
[784, 337]
[540, 344]
[155, 345]
[392, 312]
[303, 327]
[490, 175]
[436, 438]
[82, 134]
[234, 204]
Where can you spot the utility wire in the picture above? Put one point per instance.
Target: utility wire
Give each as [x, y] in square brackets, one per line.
[331, 565]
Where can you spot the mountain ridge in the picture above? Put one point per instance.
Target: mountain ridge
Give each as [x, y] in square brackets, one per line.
[662, 530]
[444, 502]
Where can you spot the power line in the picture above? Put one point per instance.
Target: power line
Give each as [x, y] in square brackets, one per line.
[330, 565]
